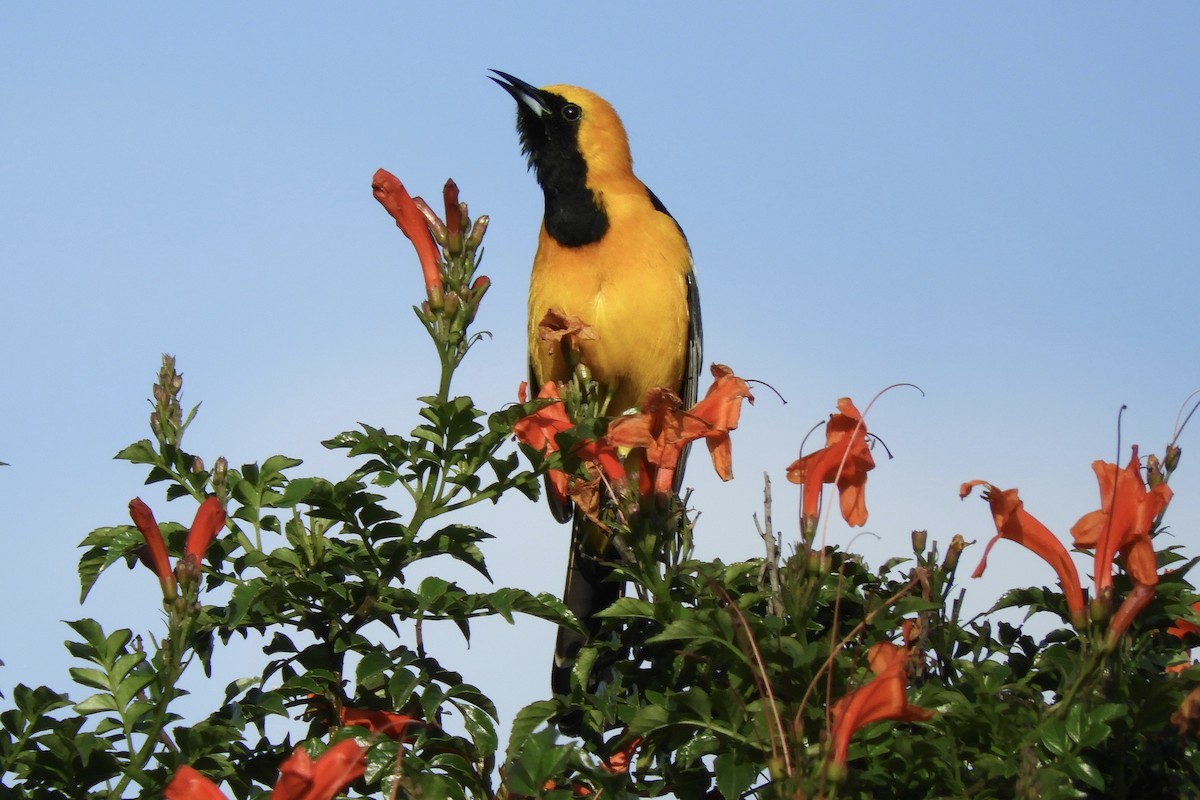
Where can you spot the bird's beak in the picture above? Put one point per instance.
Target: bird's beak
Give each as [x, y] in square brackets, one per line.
[525, 94]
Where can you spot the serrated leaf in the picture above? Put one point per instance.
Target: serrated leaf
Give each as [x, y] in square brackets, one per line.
[734, 777]
[108, 546]
[141, 452]
[372, 665]
[629, 607]
[527, 719]
[480, 727]
[95, 704]
[87, 676]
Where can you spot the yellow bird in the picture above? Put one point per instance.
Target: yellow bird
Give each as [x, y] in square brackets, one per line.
[610, 254]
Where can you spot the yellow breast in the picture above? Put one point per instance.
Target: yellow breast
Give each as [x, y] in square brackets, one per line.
[630, 287]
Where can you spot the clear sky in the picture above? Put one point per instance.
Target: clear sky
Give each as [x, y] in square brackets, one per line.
[1000, 204]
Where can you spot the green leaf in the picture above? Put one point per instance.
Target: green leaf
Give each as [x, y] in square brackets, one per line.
[480, 727]
[372, 665]
[629, 607]
[97, 703]
[141, 452]
[528, 718]
[1054, 737]
[734, 777]
[107, 546]
[92, 678]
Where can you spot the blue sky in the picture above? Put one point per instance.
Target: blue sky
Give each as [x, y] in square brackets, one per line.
[1001, 206]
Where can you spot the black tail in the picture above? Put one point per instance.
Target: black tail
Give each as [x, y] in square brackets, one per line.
[588, 590]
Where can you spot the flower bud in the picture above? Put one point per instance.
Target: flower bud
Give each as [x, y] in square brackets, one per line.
[455, 216]
[435, 225]
[957, 545]
[477, 231]
[808, 528]
[583, 374]
[919, 539]
[436, 300]
[1171, 459]
[197, 465]
[1154, 471]
[220, 477]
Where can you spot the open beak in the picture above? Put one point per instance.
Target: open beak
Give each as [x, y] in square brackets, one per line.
[525, 94]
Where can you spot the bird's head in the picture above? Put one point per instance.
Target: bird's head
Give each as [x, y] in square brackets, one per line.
[568, 133]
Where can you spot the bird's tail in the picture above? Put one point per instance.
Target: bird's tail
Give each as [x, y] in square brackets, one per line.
[589, 590]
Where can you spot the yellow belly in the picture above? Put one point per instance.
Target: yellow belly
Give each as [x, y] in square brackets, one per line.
[630, 287]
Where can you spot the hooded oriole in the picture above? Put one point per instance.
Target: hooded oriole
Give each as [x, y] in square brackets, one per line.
[610, 254]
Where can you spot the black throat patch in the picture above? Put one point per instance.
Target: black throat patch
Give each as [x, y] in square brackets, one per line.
[574, 216]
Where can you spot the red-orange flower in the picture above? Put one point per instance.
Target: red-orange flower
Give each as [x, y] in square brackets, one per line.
[1137, 600]
[664, 429]
[1183, 627]
[618, 762]
[845, 459]
[392, 195]
[386, 723]
[189, 784]
[884, 697]
[721, 408]
[540, 429]
[300, 778]
[210, 517]
[1016, 524]
[156, 546]
[1122, 524]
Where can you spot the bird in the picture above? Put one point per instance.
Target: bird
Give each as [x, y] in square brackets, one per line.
[610, 254]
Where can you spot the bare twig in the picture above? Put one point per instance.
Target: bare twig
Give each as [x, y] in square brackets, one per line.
[770, 565]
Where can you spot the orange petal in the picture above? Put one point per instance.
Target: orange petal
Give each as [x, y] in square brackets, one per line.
[189, 784]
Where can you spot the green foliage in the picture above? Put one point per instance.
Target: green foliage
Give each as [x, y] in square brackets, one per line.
[709, 680]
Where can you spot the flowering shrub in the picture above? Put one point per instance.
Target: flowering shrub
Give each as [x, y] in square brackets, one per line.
[805, 674]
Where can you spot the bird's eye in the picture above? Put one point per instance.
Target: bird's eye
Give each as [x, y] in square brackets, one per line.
[571, 112]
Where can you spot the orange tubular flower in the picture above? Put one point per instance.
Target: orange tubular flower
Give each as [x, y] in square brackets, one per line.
[884, 697]
[386, 723]
[845, 459]
[721, 408]
[1139, 597]
[1183, 627]
[301, 778]
[539, 429]
[1016, 524]
[1122, 524]
[618, 762]
[664, 429]
[392, 195]
[208, 523]
[189, 784]
[143, 520]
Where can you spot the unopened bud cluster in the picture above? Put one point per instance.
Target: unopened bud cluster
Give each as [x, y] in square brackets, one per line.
[452, 305]
[166, 420]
